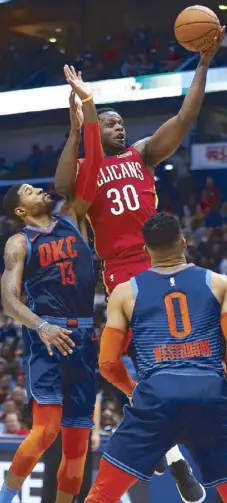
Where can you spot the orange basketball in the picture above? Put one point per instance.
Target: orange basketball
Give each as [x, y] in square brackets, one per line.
[196, 27]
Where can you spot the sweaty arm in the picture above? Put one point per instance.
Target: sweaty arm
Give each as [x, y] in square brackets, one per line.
[14, 257]
[169, 136]
[113, 344]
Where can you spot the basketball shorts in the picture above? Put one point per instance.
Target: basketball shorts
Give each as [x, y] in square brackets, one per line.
[70, 380]
[123, 269]
[169, 409]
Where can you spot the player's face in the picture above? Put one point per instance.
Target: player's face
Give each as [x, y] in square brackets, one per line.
[112, 133]
[33, 201]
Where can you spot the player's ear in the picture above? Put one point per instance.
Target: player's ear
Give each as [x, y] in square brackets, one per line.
[145, 250]
[20, 212]
[184, 244]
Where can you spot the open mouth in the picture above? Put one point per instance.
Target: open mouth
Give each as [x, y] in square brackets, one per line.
[120, 137]
[46, 196]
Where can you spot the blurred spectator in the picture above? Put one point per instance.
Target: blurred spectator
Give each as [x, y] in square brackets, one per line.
[111, 416]
[130, 67]
[213, 193]
[13, 425]
[19, 397]
[223, 264]
[172, 58]
[214, 217]
[144, 66]
[204, 202]
[5, 388]
[35, 160]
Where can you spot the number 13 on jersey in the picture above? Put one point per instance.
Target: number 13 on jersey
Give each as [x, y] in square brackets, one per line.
[126, 198]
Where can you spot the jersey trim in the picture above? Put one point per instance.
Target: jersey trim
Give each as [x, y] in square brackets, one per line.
[162, 272]
[134, 287]
[208, 278]
[43, 230]
[64, 322]
[29, 248]
[70, 221]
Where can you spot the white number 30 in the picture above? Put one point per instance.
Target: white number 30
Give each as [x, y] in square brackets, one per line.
[127, 197]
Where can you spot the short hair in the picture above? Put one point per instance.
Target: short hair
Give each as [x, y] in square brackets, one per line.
[161, 231]
[12, 201]
[105, 110]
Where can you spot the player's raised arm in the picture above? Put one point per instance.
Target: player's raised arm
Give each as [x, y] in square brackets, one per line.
[169, 136]
[14, 257]
[67, 168]
[113, 343]
[86, 180]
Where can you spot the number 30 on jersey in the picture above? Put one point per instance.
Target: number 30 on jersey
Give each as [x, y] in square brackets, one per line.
[126, 198]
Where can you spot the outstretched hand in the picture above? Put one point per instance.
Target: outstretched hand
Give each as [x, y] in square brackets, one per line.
[76, 82]
[207, 56]
[76, 111]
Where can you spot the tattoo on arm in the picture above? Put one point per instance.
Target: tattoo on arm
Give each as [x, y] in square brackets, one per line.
[14, 257]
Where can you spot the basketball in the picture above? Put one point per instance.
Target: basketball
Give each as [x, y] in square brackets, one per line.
[196, 27]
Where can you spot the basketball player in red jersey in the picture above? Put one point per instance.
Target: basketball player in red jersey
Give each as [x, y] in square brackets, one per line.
[125, 197]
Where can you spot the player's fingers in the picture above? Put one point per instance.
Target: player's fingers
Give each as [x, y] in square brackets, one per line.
[66, 71]
[48, 346]
[72, 98]
[64, 347]
[80, 75]
[67, 339]
[73, 72]
[60, 348]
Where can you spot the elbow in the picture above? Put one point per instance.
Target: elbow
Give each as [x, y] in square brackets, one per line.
[6, 307]
[61, 189]
[106, 369]
[186, 120]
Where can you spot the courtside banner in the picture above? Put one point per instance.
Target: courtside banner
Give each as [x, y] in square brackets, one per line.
[209, 156]
[146, 87]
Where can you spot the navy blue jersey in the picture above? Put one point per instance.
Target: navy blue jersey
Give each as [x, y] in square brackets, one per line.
[176, 322]
[58, 275]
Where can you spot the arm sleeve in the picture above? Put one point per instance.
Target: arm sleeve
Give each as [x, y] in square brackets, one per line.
[110, 363]
[86, 183]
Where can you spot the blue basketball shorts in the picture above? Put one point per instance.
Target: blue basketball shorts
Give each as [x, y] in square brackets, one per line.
[169, 409]
[70, 380]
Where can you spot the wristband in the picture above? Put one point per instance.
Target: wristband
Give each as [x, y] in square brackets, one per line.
[89, 98]
[41, 326]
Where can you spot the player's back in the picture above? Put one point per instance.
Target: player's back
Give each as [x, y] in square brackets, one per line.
[58, 275]
[125, 199]
[176, 322]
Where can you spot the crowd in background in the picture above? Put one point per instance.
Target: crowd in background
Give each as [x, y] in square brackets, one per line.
[28, 61]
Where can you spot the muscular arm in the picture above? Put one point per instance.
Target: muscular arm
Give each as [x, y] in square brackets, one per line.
[113, 344]
[14, 257]
[169, 136]
[67, 167]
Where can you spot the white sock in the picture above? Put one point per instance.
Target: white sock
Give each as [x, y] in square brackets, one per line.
[173, 455]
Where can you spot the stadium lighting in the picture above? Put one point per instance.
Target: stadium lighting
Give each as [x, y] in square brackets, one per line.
[222, 7]
[58, 30]
[168, 167]
[52, 40]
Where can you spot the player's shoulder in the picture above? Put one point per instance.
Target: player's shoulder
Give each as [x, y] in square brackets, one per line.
[121, 291]
[220, 279]
[16, 243]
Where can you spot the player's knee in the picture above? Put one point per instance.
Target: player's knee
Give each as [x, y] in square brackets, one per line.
[75, 442]
[47, 434]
